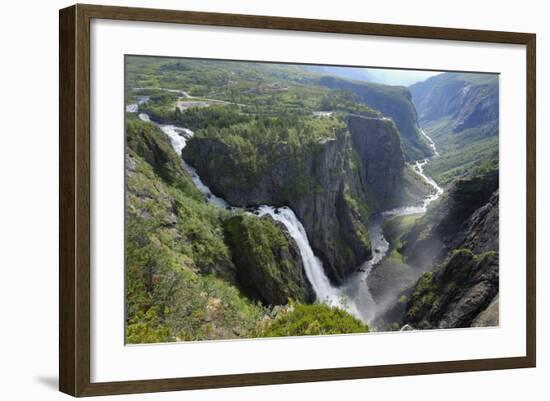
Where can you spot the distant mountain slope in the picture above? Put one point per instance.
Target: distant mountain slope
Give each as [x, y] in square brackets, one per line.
[356, 74]
[382, 76]
[392, 101]
[460, 111]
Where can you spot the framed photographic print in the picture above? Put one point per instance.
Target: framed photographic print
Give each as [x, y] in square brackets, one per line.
[250, 200]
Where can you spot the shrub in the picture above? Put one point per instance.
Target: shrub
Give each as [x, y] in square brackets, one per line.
[305, 320]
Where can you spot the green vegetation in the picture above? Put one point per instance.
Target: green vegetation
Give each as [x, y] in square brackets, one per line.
[423, 298]
[346, 101]
[189, 265]
[460, 158]
[214, 116]
[306, 320]
[270, 265]
[178, 269]
[283, 135]
[450, 281]
[180, 278]
[149, 142]
[460, 113]
[257, 88]
[267, 133]
[251, 149]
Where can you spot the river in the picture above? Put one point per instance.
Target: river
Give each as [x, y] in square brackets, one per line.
[356, 286]
[354, 294]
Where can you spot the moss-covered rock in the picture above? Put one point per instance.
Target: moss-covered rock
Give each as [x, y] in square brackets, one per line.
[150, 143]
[455, 293]
[269, 264]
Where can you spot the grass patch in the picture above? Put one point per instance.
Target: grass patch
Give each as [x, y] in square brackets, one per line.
[305, 320]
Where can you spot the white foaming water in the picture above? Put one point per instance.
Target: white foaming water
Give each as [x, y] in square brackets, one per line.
[430, 141]
[419, 168]
[178, 138]
[134, 107]
[312, 264]
[144, 117]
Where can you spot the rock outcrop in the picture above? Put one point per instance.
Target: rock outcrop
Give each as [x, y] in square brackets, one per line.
[490, 316]
[456, 244]
[269, 265]
[377, 146]
[467, 282]
[455, 293]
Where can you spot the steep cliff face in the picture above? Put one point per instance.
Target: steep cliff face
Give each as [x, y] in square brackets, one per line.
[468, 100]
[332, 186]
[461, 114]
[313, 183]
[456, 244]
[456, 293]
[394, 102]
[466, 216]
[377, 149]
[378, 159]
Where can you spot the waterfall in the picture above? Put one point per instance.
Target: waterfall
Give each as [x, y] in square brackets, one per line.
[312, 264]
